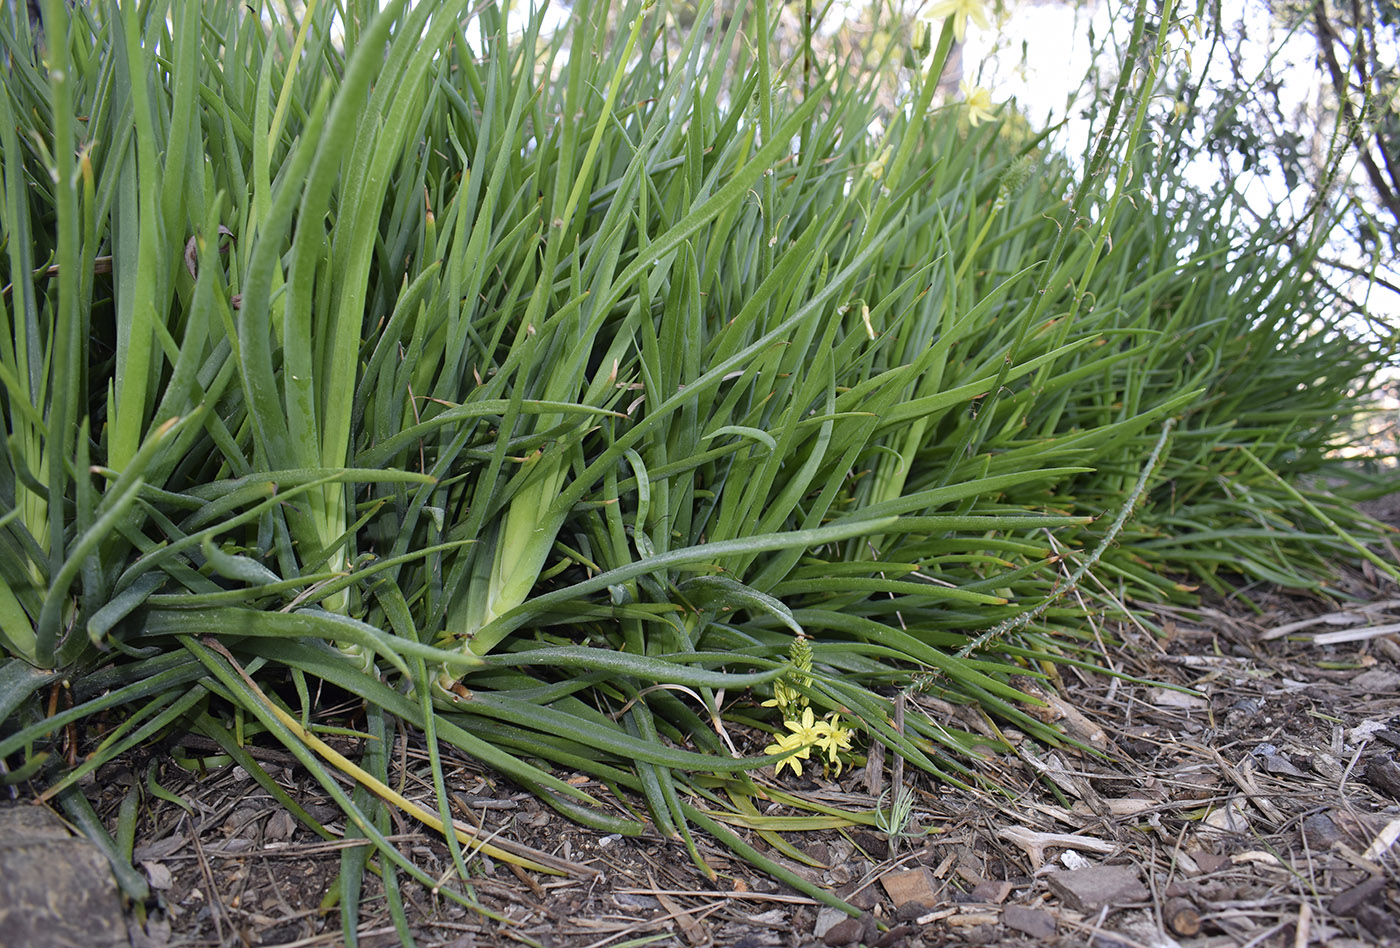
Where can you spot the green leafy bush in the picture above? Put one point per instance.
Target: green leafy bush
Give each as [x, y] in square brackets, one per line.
[549, 392]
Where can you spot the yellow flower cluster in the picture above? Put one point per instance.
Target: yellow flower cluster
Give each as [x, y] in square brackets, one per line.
[828, 734]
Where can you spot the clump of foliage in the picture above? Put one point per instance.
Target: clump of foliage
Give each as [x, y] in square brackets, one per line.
[552, 392]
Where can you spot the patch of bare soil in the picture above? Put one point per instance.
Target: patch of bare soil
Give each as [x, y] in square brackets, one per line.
[1248, 797]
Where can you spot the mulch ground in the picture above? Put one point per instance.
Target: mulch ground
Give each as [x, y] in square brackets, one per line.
[1249, 797]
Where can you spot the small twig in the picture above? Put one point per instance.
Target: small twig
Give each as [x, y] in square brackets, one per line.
[217, 909]
[99, 265]
[1303, 933]
[875, 769]
[196, 742]
[1035, 843]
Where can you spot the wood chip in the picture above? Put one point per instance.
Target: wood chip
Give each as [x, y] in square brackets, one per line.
[1383, 774]
[1210, 862]
[911, 885]
[990, 891]
[1077, 724]
[972, 920]
[828, 917]
[56, 891]
[1171, 698]
[1037, 923]
[1228, 819]
[1087, 890]
[851, 930]
[1303, 930]
[1350, 901]
[1384, 840]
[1126, 806]
[1336, 618]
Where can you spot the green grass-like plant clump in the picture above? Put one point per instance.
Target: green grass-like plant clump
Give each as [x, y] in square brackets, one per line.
[500, 380]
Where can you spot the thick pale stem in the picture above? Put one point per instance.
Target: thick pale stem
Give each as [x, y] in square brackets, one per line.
[521, 549]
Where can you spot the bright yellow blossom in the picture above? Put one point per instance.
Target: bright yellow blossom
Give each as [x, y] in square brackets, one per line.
[961, 11]
[835, 738]
[787, 744]
[979, 104]
[828, 734]
[807, 729]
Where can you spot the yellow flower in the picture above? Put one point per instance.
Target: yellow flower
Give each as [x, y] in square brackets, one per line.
[979, 104]
[828, 734]
[835, 738]
[960, 11]
[794, 746]
[807, 730]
